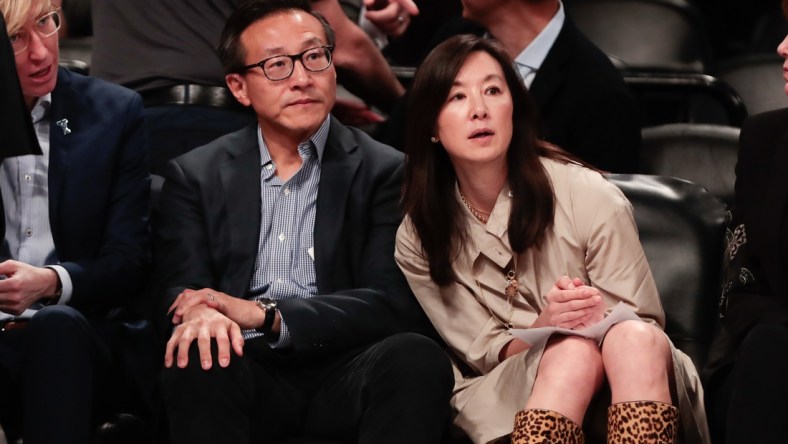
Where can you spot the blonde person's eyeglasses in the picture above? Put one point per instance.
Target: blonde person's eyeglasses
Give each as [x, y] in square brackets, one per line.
[46, 26]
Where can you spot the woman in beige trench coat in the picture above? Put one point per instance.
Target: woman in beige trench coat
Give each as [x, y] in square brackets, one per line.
[504, 231]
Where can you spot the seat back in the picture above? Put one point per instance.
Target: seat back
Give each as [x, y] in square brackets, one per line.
[704, 154]
[758, 79]
[645, 34]
[681, 230]
[676, 97]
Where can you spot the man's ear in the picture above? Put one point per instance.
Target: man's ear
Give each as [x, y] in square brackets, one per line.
[237, 86]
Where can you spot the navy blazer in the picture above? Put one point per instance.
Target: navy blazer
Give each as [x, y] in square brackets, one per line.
[209, 225]
[99, 188]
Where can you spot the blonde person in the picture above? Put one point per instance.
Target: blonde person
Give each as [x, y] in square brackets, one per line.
[505, 231]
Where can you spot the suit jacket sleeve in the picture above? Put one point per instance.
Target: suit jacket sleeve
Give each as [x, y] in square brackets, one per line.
[107, 272]
[379, 303]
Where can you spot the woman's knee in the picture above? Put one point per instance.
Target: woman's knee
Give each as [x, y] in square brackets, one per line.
[572, 361]
[635, 339]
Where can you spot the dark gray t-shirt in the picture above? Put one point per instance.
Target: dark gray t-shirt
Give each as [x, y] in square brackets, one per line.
[144, 44]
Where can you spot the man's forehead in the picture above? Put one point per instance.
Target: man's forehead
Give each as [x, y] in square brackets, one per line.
[299, 30]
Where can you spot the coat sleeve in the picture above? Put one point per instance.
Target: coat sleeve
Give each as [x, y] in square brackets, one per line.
[464, 324]
[614, 258]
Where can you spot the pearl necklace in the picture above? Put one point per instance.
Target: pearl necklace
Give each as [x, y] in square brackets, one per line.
[478, 214]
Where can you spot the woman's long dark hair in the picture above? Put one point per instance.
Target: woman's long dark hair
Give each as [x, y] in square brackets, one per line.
[429, 197]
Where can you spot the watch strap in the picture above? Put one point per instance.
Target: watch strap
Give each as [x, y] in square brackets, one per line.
[269, 308]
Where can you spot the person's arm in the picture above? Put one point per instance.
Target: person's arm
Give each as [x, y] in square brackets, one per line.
[378, 303]
[464, 324]
[614, 258]
[753, 291]
[361, 67]
[112, 210]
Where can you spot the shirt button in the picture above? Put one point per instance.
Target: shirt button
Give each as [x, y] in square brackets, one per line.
[269, 167]
[281, 237]
[28, 178]
[287, 191]
[29, 232]
[278, 280]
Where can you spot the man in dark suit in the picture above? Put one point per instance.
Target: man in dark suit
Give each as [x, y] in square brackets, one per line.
[275, 258]
[75, 234]
[584, 105]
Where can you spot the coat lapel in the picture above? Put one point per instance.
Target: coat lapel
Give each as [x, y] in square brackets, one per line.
[340, 161]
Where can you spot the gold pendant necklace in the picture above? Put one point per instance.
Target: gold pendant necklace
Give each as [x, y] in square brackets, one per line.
[510, 291]
[478, 214]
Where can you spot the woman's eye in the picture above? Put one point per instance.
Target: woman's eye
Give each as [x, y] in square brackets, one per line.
[494, 90]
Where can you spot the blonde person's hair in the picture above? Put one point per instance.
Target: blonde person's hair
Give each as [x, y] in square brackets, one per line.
[16, 12]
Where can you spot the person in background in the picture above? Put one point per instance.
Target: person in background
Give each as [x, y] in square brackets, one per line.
[504, 231]
[167, 52]
[745, 375]
[75, 239]
[275, 261]
[583, 103]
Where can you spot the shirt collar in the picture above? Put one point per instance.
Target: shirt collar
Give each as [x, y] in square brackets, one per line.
[534, 54]
[318, 140]
[41, 108]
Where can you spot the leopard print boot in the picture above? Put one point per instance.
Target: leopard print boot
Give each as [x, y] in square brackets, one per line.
[642, 422]
[545, 426]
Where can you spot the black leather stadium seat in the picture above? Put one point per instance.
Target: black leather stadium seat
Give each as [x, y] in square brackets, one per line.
[645, 34]
[704, 154]
[681, 230]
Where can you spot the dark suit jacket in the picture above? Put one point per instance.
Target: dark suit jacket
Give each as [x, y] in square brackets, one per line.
[98, 190]
[209, 226]
[754, 291]
[584, 104]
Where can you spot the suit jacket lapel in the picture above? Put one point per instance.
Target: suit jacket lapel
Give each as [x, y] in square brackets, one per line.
[66, 104]
[340, 161]
[240, 188]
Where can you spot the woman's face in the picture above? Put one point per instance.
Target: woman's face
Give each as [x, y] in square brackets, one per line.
[782, 49]
[475, 124]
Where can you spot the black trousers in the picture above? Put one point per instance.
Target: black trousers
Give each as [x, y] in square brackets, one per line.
[747, 404]
[394, 391]
[48, 374]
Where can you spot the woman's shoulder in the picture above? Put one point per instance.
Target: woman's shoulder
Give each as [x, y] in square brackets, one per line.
[584, 198]
[572, 179]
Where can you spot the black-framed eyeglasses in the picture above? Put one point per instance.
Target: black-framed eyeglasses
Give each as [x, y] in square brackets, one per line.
[45, 26]
[281, 67]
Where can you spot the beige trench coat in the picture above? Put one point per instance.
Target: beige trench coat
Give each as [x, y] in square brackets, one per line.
[593, 237]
